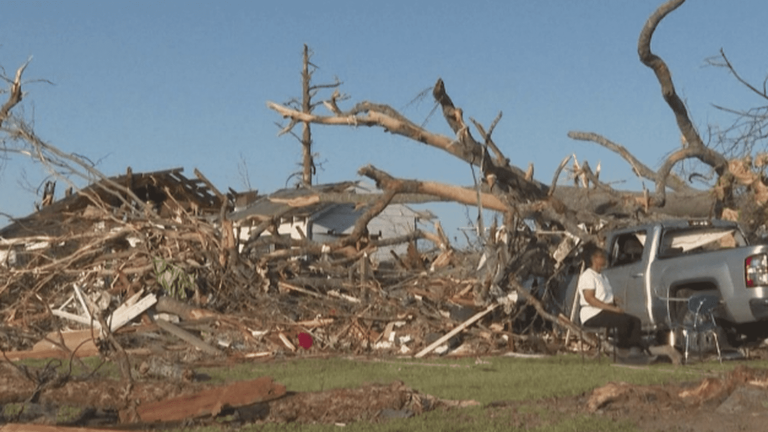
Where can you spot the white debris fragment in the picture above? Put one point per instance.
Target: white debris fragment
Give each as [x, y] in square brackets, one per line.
[258, 333]
[442, 349]
[383, 345]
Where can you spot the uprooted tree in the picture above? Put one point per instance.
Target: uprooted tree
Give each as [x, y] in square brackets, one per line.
[507, 189]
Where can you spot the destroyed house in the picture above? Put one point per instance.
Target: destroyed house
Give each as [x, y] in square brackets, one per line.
[167, 192]
[299, 214]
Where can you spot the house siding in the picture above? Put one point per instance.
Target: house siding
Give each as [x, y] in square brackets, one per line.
[395, 221]
[327, 223]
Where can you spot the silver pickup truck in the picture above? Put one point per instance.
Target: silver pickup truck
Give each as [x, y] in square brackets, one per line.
[654, 268]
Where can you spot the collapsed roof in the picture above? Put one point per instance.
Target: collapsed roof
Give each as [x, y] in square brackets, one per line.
[154, 188]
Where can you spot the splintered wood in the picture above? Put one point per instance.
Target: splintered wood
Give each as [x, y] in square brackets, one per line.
[210, 402]
[46, 428]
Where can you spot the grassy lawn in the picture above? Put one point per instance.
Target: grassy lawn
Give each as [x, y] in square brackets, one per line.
[500, 379]
[492, 381]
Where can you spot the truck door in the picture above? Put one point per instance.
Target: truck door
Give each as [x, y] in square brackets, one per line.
[626, 273]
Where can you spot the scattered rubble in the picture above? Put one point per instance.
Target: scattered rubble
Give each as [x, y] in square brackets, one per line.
[92, 263]
[97, 274]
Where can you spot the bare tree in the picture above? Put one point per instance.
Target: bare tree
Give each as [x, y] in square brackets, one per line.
[306, 105]
[748, 134]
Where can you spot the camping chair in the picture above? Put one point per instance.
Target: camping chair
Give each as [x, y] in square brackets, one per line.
[602, 334]
[703, 322]
[699, 320]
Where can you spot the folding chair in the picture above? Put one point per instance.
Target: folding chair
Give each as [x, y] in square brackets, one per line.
[702, 322]
[602, 334]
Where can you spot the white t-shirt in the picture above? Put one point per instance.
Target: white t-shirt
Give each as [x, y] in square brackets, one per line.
[592, 280]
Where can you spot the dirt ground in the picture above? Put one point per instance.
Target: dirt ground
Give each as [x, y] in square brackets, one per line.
[39, 396]
[736, 401]
[648, 409]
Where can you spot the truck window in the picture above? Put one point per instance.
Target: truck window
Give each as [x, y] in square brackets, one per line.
[628, 248]
[699, 239]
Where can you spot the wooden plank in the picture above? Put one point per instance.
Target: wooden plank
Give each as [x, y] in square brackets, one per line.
[186, 336]
[183, 310]
[122, 315]
[286, 341]
[464, 291]
[212, 401]
[287, 286]
[258, 354]
[76, 318]
[83, 303]
[317, 322]
[210, 185]
[349, 298]
[119, 317]
[45, 428]
[455, 331]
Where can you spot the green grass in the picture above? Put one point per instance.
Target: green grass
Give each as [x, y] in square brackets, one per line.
[503, 378]
[67, 413]
[62, 367]
[519, 381]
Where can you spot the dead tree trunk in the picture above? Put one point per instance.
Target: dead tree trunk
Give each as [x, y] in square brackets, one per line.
[306, 107]
[308, 164]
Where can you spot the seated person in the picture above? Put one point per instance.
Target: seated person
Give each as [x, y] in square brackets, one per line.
[598, 308]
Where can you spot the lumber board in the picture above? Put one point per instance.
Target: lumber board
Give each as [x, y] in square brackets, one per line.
[186, 336]
[455, 331]
[211, 401]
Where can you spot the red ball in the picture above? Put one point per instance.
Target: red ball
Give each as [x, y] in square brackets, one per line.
[305, 340]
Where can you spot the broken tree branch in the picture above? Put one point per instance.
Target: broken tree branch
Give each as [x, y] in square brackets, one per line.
[14, 94]
[696, 147]
[454, 193]
[640, 169]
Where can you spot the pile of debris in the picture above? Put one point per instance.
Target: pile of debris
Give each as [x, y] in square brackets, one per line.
[180, 258]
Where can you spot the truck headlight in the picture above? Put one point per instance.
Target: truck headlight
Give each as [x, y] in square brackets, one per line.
[756, 270]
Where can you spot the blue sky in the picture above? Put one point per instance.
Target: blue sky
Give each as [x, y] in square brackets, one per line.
[161, 84]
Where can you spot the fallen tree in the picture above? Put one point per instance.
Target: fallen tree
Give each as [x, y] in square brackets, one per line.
[515, 194]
